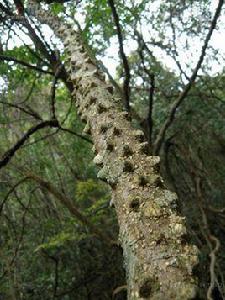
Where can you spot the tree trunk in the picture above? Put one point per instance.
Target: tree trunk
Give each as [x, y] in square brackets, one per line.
[158, 259]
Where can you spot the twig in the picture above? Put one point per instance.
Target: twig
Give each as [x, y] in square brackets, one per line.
[151, 91]
[178, 101]
[10, 192]
[56, 77]
[174, 51]
[212, 266]
[151, 98]
[215, 210]
[71, 207]
[20, 240]
[41, 138]
[126, 83]
[56, 262]
[28, 111]
[39, 44]
[209, 237]
[114, 83]
[62, 129]
[23, 63]
[7, 156]
[76, 134]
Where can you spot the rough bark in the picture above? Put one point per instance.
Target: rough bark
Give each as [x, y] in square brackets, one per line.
[158, 259]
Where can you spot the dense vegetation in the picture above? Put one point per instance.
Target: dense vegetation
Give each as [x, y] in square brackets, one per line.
[51, 201]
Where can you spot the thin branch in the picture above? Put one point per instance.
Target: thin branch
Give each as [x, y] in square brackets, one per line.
[56, 77]
[76, 134]
[20, 240]
[28, 111]
[39, 44]
[7, 156]
[10, 192]
[41, 138]
[55, 132]
[174, 51]
[150, 111]
[56, 263]
[114, 83]
[178, 101]
[142, 42]
[23, 63]
[215, 210]
[209, 238]
[126, 83]
[212, 266]
[68, 203]
[29, 92]
[151, 91]
[51, 56]
[6, 10]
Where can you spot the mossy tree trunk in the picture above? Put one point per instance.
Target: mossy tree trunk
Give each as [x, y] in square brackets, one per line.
[158, 259]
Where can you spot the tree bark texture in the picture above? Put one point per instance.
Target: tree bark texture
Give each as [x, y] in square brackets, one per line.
[158, 259]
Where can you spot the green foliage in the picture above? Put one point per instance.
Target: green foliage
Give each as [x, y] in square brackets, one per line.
[58, 241]
[57, 8]
[90, 191]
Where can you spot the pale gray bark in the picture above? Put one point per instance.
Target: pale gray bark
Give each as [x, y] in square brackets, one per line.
[158, 260]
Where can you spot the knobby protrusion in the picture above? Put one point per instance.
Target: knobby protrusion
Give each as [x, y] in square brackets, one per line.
[151, 256]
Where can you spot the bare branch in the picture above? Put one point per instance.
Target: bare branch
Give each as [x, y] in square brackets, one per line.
[68, 203]
[126, 83]
[20, 240]
[28, 111]
[174, 51]
[23, 63]
[151, 91]
[55, 259]
[210, 238]
[42, 46]
[76, 134]
[212, 266]
[11, 191]
[7, 156]
[183, 95]
[150, 111]
[57, 73]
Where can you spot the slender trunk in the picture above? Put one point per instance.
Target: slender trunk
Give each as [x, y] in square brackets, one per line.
[157, 257]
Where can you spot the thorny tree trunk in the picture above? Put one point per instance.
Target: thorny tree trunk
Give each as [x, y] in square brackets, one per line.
[158, 260]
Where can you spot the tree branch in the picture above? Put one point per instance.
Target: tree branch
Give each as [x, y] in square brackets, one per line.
[23, 63]
[28, 111]
[151, 98]
[126, 83]
[48, 53]
[68, 203]
[178, 101]
[7, 156]
[11, 191]
[56, 77]
[76, 134]
[151, 90]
